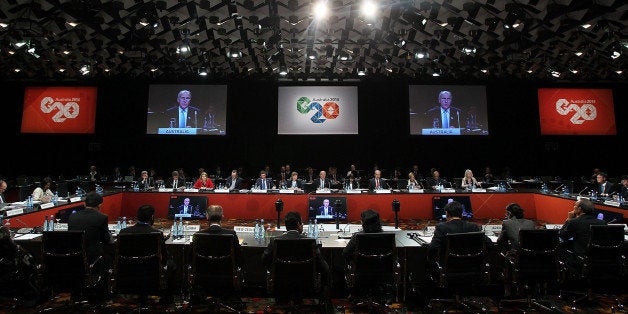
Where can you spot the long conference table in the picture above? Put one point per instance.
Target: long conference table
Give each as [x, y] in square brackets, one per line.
[548, 208]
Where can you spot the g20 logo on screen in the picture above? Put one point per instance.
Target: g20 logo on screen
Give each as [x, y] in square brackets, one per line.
[329, 110]
[580, 113]
[68, 110]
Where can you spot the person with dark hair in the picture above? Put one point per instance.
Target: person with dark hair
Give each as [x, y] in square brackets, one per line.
[3, 187]
[146, 182]
[93, 174]
[509, 237]
[43, 193]
[576, 230]
[144, 225]
[234, 182]
[294, 183]
[294, 227]
[214, 216]
[435, 180]
[603, 186]
[176, 182]
[623, 188]
[264, 183]
[454, 224]
[19, 268]
[377, 183]
[95, 225]
[370, 224]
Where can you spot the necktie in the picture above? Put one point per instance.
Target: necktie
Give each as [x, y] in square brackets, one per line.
[263, 184]
[182, 118]
[232, 184]
[174, 184]
[325, 211]
[322, 184]
[294, 184]
[446, 119]
[1, 199]
[377, 184]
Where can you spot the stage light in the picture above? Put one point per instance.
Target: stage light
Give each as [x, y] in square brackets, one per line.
[368, 9]
[283, 71]
[202, 71]
[320, 10]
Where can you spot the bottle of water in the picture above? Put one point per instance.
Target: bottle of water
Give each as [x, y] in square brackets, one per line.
[55, 199]
[45, 226]
[99, 189]
[29, 202]
[181, 228]
[315, 230]
[118, 225]
[261, 229]
[51, 223]
[123, 223]
[256, 229]
[309, 229]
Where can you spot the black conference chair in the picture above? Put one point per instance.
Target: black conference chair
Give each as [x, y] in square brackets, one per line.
[604, 265]
[534, 269]
[463, 271]
[374, 273]
[64, 266]
[294, 273]
[139, 268]
[214, 270]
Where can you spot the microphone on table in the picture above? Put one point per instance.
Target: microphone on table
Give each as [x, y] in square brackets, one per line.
[558, 188]
[585, 188]
[344, 235]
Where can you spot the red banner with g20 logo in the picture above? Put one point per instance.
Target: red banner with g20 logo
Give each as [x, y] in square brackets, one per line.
[59, 110]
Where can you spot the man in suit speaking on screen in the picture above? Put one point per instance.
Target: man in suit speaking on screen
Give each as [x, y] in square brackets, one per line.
[183, 115]
[325, 209]
[444, 115]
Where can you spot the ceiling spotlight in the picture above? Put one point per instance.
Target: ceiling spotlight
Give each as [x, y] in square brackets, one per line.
[234, 54]
[183, 48]
[530, 71]
[73, 24]
[585, 26]
[320, 10]
[153, 69]
[283, 71]
[619, 71]
[20, 43]
[32, 52]
[4, 25]
[144, 22]
[421, 53]
[468, 50]
[343, 56]
[555, 74]
[84, 69]
[578, 53]
[369, 8]
[61, 70]
[312, 54]
[202, 71]
[11, 51]
[17, 70]
[574, 71]
[484, 71]
[616, 54]
[435, 74]
[443, 24]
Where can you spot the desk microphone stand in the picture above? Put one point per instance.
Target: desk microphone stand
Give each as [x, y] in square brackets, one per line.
[279, 208]
[395, 208]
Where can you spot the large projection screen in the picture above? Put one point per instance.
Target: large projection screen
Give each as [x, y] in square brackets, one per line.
[312, 110]
[205, 110]
[573, 111]
[67, 109]
[448, 110]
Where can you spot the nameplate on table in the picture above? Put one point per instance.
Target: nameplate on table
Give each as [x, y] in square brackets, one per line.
[47, 205]
[191, 228]
[441, 131]
[478, 190]
[448, 191]
[75, 199]
[612, 203]
[221, 191]
[190, 190]
[323, 191]
[179, 131]
[259, 191]
[286, 191]
[13, 212]
[416, 191]
[354, 191]
[553, 226]
[164, 190]
[243, 229]
[383, 191]
[492, 228]
[61, 226]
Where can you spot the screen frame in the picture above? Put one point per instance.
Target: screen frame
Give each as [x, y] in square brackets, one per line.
[441, 200]
[314, 202]
[173, 206]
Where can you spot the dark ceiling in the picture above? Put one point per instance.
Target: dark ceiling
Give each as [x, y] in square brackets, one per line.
[473, 39]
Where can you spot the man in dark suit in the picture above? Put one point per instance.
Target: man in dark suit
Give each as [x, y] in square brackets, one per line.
[187, 208]
[325, 209]
[234, 182]
[454, 224]
[435, 180]
[175, 182]
[294, 228]
[322, 182]
[183, 115]
[93, 175]
[444, 115]
[377, 183]
[623, 188]
[144, 225]
[604, 188]
[576, 230]
[509, 237]
[3, 187]
[146, 182]
[214, 216]
[264, 183]
[95, 225]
